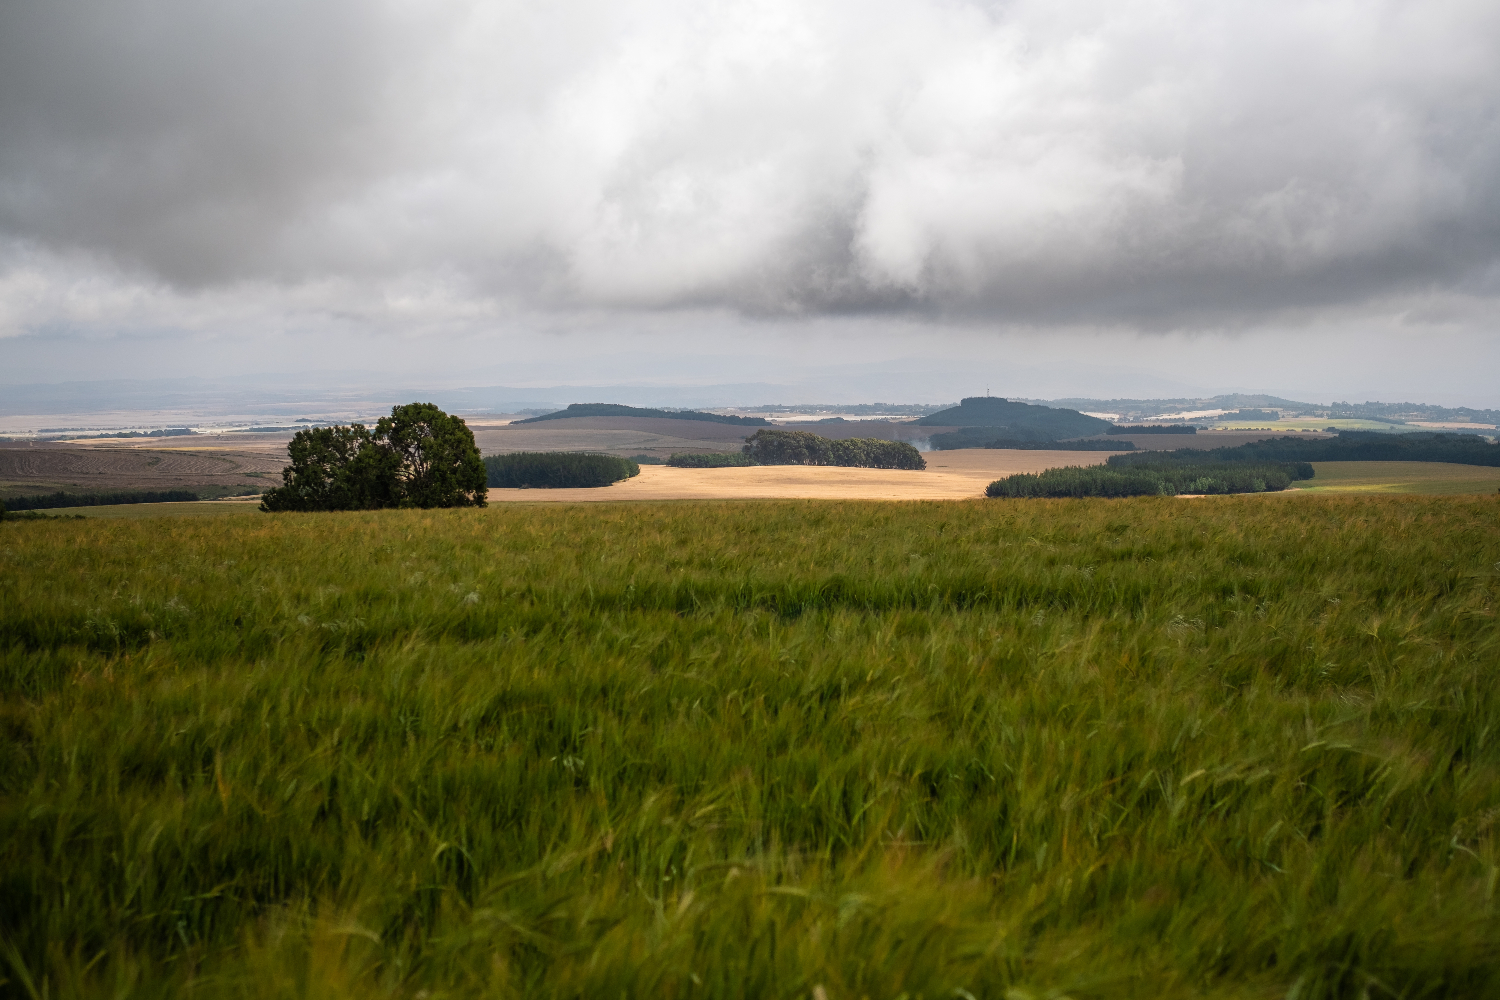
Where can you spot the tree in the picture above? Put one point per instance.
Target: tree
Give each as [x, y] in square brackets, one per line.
[438, 463]
[419, 456]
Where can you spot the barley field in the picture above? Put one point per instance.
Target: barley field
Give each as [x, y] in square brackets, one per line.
[801, 749]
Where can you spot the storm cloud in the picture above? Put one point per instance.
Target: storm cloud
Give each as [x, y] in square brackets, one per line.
[1156, 165]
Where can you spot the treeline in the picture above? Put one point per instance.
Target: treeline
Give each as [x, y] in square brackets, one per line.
[1153, 429]
[1349, 446]
[985, 437]
[621, 410]
[553, 470]
[710, 460]
[50, 501]
[804, 448]
[419, 456]
[33, 515]
[1156, 479]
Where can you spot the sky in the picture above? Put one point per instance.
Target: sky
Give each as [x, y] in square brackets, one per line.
[1070, 197]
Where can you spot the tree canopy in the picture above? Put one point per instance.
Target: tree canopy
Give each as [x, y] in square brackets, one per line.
[802, 448]
[419, 456]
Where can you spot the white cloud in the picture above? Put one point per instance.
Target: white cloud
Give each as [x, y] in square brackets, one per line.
[1142, 164]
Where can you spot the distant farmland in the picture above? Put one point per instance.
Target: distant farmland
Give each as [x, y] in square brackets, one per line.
[29, 470]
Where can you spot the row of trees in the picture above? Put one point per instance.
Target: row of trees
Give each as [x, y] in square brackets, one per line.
[802, 448]
[419, 456]
[51, 501]
[709, 460]
[557, 470]
[1160, 479]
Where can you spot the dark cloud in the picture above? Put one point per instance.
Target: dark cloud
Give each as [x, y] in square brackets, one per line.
[1153, 165]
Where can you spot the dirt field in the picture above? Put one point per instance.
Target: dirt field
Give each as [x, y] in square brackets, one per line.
[27, 470]
[950, 475]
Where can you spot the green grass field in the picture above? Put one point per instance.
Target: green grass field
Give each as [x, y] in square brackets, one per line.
[132, 511]
[1432, 478]
[1019, 749]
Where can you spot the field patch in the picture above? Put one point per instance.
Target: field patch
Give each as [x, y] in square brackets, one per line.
[1084, 748]
[31, 470]
[1431, 478]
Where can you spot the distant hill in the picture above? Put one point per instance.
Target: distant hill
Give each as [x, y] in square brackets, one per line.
[621, 410]
[1021, 421]
[1393, 413]
[1232, 401]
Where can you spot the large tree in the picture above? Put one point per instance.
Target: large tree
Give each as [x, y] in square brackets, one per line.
[438, 463]
[419, 456]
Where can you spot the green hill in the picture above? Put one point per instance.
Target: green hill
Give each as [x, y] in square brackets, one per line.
[1021, 421]
[621, 410]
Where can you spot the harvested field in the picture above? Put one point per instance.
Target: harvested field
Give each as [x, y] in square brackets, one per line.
[950, 475]
[26, 470]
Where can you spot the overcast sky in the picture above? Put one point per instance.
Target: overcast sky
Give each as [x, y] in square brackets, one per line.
[1295, 197]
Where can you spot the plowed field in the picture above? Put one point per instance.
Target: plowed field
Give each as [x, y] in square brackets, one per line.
[29, 470]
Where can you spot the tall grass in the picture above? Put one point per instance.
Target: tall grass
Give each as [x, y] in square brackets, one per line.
[1242, 747]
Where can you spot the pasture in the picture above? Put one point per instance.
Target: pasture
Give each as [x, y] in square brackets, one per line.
[1239, 748]
[1430, 478]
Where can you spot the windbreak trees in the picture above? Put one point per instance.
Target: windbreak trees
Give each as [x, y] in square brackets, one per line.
[419, 456]
[776, 447]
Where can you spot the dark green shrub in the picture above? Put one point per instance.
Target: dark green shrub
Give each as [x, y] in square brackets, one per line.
[557, 470]
[710, 460]
[803, 448]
